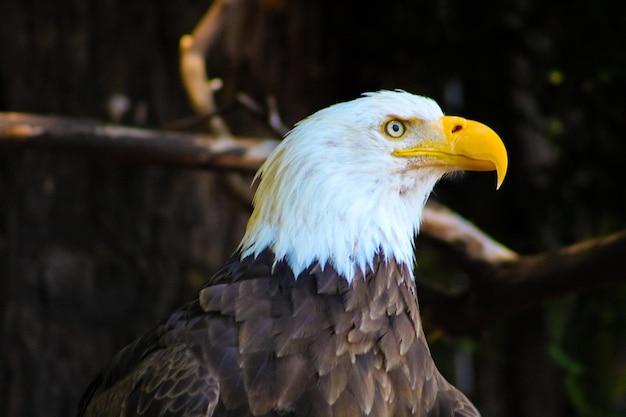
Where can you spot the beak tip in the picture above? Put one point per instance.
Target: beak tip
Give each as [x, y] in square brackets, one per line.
[501, 173]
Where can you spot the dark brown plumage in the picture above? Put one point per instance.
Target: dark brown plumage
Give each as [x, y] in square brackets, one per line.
[258, 342]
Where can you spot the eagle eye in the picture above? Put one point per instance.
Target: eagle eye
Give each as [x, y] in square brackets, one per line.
[395, 128]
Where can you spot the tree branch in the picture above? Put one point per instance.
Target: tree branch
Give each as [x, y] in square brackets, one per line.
[461, 238]
[509, 287]
[132, 144]
[193, 51]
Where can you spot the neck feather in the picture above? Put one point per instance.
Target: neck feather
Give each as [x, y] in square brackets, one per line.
[317, 224]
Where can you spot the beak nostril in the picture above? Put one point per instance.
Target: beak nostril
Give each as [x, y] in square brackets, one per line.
[456, 128]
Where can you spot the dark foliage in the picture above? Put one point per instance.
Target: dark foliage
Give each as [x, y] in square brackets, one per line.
[93, 253]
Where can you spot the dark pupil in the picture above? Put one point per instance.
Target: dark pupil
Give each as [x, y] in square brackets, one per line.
[395, 127]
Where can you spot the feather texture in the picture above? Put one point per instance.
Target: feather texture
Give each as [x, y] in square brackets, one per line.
[208, 359]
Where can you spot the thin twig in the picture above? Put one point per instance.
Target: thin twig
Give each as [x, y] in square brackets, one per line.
[274, 119]
[271, 115]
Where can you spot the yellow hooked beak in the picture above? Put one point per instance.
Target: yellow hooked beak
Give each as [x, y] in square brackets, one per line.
[469, 146]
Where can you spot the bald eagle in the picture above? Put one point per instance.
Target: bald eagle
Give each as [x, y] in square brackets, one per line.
[316, 312]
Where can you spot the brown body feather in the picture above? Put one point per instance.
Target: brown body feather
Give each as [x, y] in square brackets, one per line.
[259, 342]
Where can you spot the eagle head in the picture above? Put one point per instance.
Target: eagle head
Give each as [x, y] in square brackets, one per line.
[350, 181]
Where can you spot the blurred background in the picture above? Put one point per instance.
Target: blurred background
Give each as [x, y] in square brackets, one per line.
[94, 252]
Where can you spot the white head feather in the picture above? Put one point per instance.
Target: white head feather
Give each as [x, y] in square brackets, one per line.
[333, 192]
